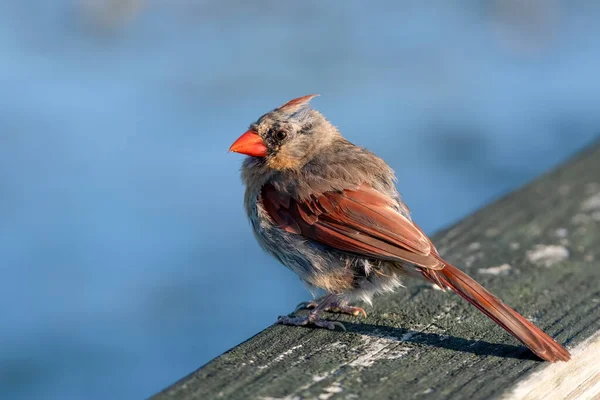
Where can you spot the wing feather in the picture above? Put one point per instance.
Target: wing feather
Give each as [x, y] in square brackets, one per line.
[361, 221]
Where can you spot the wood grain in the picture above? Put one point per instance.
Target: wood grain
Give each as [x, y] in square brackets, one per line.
[578, 379]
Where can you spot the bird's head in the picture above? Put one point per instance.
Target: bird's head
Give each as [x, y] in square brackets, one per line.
[287, 137]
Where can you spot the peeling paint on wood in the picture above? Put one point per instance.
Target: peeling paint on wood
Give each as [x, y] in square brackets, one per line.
[591, 203]
[420, 343]
[499, 270]
[548, 255]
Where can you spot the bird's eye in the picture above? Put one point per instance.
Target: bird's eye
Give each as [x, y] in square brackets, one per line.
[280, 135]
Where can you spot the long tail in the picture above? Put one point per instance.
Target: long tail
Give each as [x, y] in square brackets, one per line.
[530, 335]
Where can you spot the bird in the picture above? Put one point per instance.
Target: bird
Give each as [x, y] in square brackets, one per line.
[329, 210]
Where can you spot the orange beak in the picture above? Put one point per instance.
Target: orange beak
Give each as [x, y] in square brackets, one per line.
[250, 144]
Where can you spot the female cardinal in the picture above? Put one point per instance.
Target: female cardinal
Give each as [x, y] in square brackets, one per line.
[329, 211]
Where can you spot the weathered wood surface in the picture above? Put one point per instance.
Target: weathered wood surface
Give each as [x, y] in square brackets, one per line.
[538, 249]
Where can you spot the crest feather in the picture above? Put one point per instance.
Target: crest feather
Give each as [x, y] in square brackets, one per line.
[297, 104]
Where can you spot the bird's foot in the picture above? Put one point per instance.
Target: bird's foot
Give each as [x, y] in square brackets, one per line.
[310, 319]
[334, 307]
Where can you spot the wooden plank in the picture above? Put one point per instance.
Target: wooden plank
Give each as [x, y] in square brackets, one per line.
[577, 379]
[538, 249]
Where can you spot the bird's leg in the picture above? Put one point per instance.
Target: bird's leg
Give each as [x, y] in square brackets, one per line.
[335, 306]
[313, 318]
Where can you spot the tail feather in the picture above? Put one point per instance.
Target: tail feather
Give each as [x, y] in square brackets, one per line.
[530, 335]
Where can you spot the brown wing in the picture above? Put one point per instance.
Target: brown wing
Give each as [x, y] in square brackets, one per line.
[361, 221]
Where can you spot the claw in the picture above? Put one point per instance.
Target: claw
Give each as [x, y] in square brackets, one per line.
[306, 305]
[335, 307]
[359, 310]
[342, 309]
[337, 323]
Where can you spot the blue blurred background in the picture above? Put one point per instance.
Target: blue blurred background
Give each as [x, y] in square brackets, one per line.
[126, 260]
